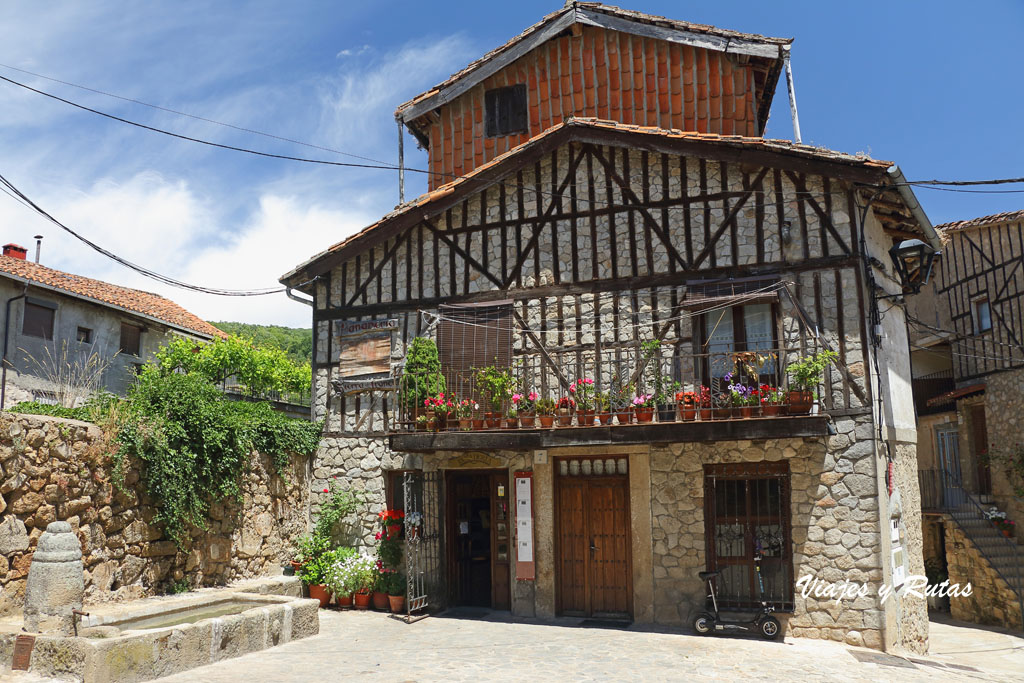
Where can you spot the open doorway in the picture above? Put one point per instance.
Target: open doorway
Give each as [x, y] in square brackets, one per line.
[479, 538]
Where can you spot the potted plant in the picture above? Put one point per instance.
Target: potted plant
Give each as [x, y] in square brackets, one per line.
[771, 400]
[378, 598]
[526, 407]
[421, 377]
[743, 398]
[620, 402]
[602, 401]
[441, 407]
[338, 579]
[804, 377]
[498, 386]
[315, 555]
[643, 404]
[582, 391]
[421, 423]
[465, 409]
[1000, 522]
[687, 404]
[512, 419]
[391, 522]
[413, 523]
[565, 408]
[662, 387]
[392, 583]
[360, 573]
[546, 411]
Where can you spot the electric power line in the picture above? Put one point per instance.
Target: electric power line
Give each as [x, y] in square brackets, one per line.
[17, 194]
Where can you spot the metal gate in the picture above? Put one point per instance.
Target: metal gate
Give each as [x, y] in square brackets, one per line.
[424, 543]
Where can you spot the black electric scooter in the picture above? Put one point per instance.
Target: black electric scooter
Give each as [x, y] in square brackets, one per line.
[761, 622]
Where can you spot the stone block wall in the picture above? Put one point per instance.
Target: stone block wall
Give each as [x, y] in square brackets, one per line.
[991, 601]
[1004, 404]
[56, 469]
[834, 508]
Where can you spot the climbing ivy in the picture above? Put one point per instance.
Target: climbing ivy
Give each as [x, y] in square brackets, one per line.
[193, 444]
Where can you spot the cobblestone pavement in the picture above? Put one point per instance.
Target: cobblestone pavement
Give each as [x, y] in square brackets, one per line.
[366, 645]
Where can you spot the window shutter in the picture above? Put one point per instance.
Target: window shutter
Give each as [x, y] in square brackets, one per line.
[470, 337]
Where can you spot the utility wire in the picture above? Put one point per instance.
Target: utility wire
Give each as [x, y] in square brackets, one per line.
[17, 194]
[192, 116]
[929, 184]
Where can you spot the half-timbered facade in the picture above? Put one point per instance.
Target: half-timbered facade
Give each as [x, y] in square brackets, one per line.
[563, 259]
[968, 358]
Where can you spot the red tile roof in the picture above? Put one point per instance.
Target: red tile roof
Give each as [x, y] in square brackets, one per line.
[1005, 217]
[133, 300]
[735, 141]
[651, 19]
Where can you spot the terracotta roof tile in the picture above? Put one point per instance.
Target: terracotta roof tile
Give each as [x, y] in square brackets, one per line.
[152, 305]
[1005, 217]
[781, 146]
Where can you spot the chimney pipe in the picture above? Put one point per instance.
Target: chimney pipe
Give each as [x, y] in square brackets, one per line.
[39, 246]
[15, 251]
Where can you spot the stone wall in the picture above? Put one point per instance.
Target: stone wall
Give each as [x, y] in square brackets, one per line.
[56, 469]
[991, 601]
[1004, 405]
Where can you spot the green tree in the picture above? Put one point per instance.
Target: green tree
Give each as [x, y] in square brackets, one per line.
[297, 342]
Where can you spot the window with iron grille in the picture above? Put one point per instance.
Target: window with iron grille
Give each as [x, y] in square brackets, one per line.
[505, 110]
[38, 321]
[470, 337]
[747, 508]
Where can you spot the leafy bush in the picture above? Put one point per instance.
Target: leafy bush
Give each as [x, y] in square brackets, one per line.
[422, 376]
[258, 369]
[36, 408]
[296, 342]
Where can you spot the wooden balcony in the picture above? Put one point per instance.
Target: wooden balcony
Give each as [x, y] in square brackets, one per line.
[756, 428]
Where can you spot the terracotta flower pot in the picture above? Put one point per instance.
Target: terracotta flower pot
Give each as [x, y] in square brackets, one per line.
[465, 424]
[380, 600]
[564, 417]
[527, 419]
[800, 402]
[394, 531]
[705, 413]
[546, 421]
[421, 426]
[722, 413]
[321, 593]
[344, 601]
[746, 411]
[585, 418]
[493, 420]
[645, 414]
[361, 600]
[296, 565]
[624, 418]
[687, 412]
[397, 603]
[478, 423]
[512, 422]
[770, 409]
[604, 418]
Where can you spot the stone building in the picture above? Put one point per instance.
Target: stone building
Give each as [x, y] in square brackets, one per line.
[54, 318]
[612, 191]
[968, 365]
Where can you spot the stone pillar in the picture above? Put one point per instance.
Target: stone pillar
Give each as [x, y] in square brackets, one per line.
[55, 583]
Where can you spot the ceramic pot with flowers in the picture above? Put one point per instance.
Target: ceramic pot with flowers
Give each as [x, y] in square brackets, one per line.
[321, 593]
[362, 600]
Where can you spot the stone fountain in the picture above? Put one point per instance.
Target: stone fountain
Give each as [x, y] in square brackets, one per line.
[55, 585]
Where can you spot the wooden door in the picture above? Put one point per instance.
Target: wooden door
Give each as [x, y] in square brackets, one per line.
[980, 444]
[594, 561]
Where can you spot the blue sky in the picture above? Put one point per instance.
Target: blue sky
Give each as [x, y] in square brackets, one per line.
[931, 86]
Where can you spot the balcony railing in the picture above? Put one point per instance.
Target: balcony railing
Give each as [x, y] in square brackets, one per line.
[930, 386]
[723, 385]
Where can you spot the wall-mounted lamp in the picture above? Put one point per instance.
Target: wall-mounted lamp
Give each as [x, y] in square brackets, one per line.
[912, 260]
[787, 232]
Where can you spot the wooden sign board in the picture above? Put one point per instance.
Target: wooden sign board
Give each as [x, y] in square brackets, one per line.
[362, 384]
[365, 346]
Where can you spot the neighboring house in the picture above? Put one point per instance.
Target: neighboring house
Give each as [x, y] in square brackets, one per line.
[967, 351]
[53, 318]
[562, 247]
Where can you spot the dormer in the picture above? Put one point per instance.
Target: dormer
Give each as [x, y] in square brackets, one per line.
[593, 60]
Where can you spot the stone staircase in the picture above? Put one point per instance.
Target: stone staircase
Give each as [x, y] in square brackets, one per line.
[1003, 554]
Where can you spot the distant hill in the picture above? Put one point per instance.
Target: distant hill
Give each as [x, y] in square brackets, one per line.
[297, 342]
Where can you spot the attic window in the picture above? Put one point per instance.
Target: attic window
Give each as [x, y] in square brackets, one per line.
[131, 339]
[506, 110]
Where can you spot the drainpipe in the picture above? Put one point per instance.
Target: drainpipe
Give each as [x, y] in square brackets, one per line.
[288, 293]
[7, 328]
[907, 194]
[792, 94]
[401, 162]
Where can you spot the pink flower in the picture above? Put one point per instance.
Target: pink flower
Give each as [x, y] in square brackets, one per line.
[533, 395]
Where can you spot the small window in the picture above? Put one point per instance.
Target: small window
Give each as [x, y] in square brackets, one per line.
[506, 110]
[131, 339]
[982, 316]
[85, 335]
[38, 321]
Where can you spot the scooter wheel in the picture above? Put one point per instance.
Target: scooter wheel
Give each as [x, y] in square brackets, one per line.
[770, 629]
[704, 624]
